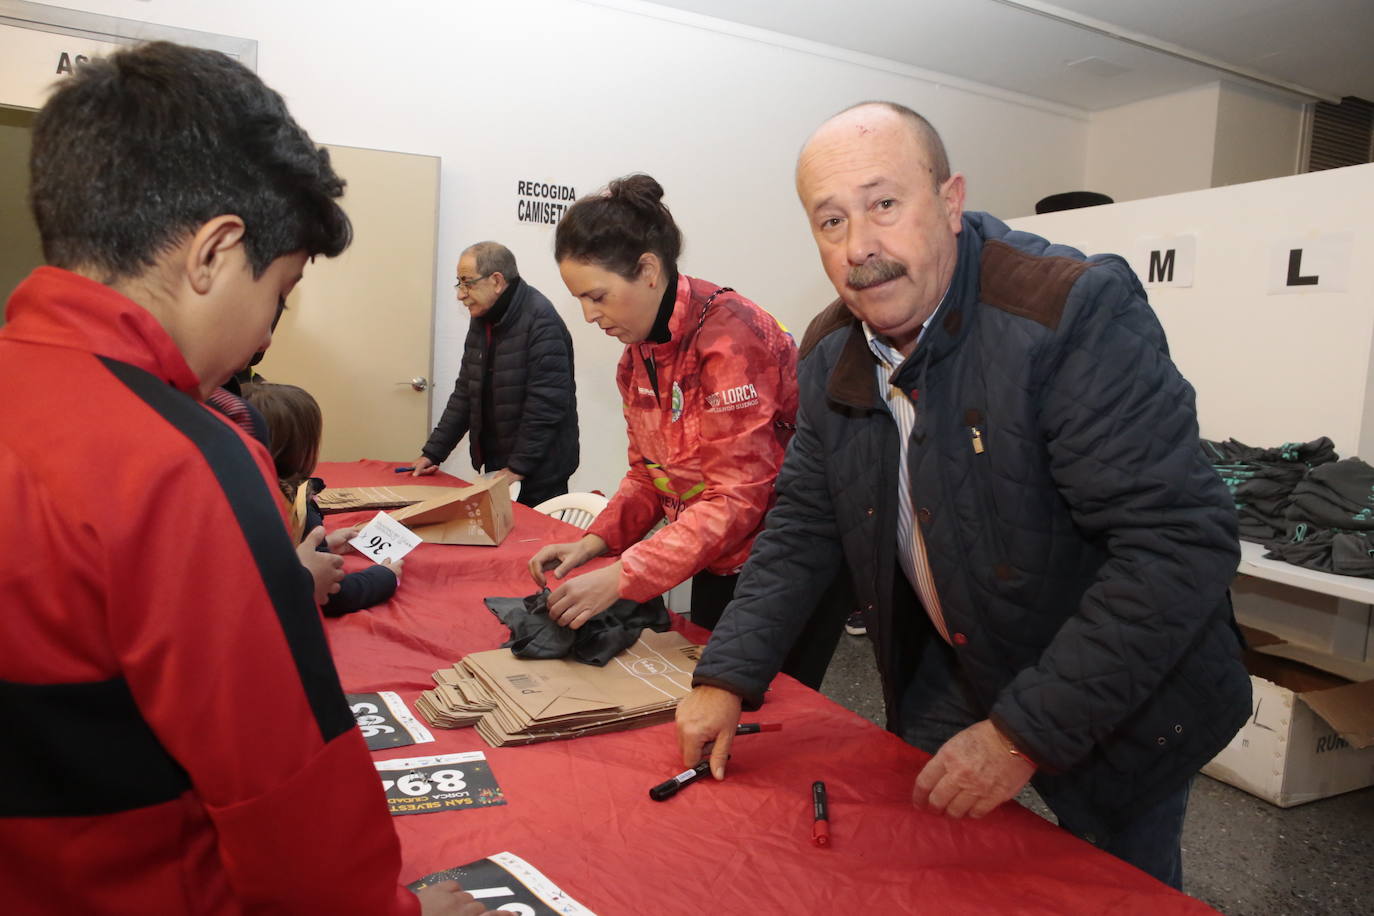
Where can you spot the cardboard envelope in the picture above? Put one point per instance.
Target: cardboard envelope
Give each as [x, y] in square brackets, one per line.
[542, 697]
[479, 514]
[349, 499]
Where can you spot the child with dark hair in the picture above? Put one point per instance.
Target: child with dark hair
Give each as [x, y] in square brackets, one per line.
[159, 613]
[294, 427]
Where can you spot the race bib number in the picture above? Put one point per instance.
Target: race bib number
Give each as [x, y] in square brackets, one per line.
[507, 882]
[385, 721]
[449, 782]
[384, 538]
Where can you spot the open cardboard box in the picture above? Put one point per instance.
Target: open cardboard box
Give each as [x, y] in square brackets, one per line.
[478, 514]
[1311, 729]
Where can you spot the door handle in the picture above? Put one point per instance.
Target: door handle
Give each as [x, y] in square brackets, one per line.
[419, 383]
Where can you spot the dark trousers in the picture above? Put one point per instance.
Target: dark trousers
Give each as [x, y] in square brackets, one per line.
[534, 492]
[939, 703]
[810, 654]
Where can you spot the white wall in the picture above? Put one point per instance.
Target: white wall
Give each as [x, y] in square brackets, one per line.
[1259, 135]
[1268, 369]
[1205, 137]
[1156, 146]
[578, 93]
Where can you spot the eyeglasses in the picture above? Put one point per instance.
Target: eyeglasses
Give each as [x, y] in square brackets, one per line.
[469, 282]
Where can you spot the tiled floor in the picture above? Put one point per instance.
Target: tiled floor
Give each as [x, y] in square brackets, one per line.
[1240, 855]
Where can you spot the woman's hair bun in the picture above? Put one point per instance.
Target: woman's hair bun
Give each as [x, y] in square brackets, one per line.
[616, 226]
[640, 191]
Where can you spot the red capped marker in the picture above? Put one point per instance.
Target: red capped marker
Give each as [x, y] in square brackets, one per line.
[820, 829]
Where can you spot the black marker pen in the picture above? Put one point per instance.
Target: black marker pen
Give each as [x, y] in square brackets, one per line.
[666, 790]
[820, 810]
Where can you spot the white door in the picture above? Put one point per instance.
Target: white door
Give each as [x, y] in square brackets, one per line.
[359, 327]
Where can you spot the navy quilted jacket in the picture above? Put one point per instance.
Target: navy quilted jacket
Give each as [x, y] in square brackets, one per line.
[1081, 546]
[534, 428]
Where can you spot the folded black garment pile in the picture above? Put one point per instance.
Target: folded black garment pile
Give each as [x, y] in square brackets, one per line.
[1330, 520]
[534, 635]
[1262, 480]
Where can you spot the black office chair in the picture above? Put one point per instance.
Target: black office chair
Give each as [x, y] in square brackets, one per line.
[1071, 200]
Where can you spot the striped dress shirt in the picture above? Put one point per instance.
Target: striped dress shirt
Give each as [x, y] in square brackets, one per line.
[911, 548]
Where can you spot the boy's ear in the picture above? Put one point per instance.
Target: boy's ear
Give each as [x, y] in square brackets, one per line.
[208, 250]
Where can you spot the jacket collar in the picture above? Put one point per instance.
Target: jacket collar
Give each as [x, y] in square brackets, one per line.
[682, 325]
[853, 380]
[58, 308]
[660, 332]
[501, 309]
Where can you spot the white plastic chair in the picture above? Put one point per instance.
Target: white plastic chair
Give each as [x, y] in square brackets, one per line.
[577, 509]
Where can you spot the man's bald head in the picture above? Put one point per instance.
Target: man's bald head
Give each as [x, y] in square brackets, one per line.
[885, 213]
[866, 117]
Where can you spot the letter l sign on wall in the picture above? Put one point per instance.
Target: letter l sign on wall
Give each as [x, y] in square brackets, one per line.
[1314, 264]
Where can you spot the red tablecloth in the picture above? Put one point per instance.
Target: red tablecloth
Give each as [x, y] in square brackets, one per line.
[579, 810]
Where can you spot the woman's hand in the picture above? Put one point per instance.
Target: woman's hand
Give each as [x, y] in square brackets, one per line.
[564, 558]
[583, 597]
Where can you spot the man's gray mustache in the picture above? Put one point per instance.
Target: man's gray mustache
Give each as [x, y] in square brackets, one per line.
[873, 273]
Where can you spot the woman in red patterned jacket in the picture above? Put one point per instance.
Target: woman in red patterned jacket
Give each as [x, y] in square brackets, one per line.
[709, 384]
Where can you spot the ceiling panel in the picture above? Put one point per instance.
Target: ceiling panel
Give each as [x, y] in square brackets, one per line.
[1322, 44]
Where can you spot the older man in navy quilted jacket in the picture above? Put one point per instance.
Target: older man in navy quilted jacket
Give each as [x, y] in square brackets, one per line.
[993, 438]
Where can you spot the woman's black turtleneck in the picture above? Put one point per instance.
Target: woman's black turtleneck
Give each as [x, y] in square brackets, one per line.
[659, 333]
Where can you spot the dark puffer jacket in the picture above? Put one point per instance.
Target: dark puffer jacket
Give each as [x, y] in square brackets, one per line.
[533, 429]
[1081, 546]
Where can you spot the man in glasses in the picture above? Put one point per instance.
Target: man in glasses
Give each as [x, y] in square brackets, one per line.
[515, 398]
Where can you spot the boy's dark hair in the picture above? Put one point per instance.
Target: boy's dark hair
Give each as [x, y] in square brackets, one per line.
[614, 228]
[135, 151]
[294, 427]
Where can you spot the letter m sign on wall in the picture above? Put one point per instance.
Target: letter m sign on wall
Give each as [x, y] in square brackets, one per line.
[1166, 261]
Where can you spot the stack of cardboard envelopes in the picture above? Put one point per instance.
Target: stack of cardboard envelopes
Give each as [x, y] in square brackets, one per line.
[521, 701]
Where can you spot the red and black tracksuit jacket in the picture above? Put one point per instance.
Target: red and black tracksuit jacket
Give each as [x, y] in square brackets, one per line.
[177, 741]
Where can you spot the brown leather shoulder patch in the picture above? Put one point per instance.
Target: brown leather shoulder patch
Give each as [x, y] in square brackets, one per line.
[1028, 285]
[833, 316]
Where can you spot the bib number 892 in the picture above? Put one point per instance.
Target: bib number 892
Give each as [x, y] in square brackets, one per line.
[415, 784]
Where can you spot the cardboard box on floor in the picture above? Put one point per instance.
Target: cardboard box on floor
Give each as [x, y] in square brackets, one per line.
[1311, 729]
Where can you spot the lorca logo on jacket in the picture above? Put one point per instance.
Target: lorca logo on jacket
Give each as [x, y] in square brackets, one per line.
[732, 398]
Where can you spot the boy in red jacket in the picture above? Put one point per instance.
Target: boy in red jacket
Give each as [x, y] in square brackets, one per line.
[177, 738]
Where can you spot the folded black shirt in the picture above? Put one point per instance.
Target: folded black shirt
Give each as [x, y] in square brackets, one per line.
[535, 635]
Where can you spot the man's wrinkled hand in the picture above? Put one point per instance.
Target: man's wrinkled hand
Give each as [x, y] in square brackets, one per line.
[325, 568]
[707, 714]
[972, 774]
[581, 598]
[423, 467]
